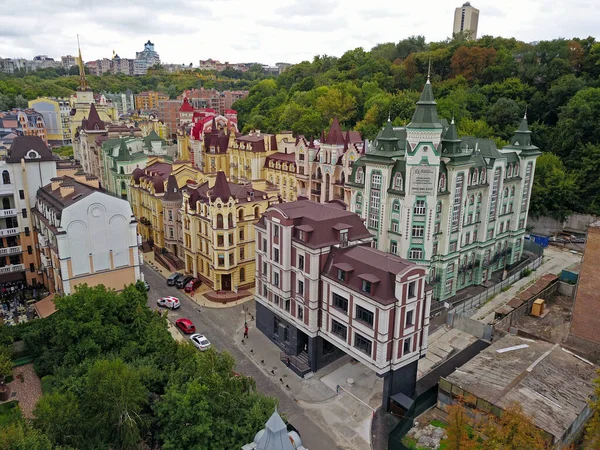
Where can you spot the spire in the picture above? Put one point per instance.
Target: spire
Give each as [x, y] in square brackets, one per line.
[522, 136]
[387, 140]
[221, 188]
[93, 121]
[214, 125]
[275, 436]
[451, 141]
[429, 71]
[123, 154]
[83, 83]
[335, 135]
[173, 192]
[425, 115]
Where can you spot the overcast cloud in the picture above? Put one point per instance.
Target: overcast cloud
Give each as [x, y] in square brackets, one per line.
[266, 31]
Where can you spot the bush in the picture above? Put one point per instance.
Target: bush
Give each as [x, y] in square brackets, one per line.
[526, 273]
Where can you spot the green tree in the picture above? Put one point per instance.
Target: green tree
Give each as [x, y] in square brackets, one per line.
[503, 116]
[554, 191]
[337, 103]
[458, 429]
[592, 429]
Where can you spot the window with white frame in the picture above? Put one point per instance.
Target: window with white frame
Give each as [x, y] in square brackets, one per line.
[456, 207]
[395, 226]
[398, 182]
[376, 180]
[416, 253]
[494, 197]
[276, 278]
[374, 208]
[525, 198]
[363, 344]
[412, 289]
[407, 347]
[450, 269]
[448, 287]
[394, 247]
[418, 230]
[276, 255]
[301, 262]
[419, 209]
[365, 316]
[300, 314]
[396, 206]
[300, 287]
[409, 318]
[453, 246]
[276, 230]
[360, 176]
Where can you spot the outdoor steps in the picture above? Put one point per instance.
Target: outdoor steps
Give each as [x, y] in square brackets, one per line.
[303, 357]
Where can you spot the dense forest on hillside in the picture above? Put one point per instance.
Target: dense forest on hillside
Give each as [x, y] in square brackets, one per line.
[487, 85]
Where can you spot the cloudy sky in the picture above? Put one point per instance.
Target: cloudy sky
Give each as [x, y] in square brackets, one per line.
[267, 31]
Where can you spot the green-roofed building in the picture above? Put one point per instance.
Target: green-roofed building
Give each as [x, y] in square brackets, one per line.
[457, 204]
[119, 158]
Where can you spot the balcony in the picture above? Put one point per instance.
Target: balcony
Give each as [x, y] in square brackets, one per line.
[315, 191]
[10, 250]
[8, 212]
[6, 189]
[9, 232]
[43, 241]
[12, 268]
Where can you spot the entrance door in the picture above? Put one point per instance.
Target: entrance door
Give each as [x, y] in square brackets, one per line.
[226, 282]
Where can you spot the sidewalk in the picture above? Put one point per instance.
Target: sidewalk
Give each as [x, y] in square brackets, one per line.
[443, 343]
[348, 418]
[554, 261]
[198, 296]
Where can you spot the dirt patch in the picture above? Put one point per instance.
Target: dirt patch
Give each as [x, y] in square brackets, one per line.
[26, 392]
[554, 327]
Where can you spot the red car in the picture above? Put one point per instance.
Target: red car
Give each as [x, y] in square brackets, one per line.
[192, 285]
[185, 325]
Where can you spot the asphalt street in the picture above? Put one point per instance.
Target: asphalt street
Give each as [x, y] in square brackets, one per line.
[222, 327]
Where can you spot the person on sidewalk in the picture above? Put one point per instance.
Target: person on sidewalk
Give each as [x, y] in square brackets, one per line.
[245, 331]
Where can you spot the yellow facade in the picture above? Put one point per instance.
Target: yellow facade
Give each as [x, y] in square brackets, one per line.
[149, 99]
[280, 170]
[218, 237]
[107, 113]
[56, 116]
[147, 195]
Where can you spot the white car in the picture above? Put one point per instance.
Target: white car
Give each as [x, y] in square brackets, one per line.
[169, 302]
[200, 341]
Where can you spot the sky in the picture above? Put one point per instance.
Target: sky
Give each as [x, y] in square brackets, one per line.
[267, 31]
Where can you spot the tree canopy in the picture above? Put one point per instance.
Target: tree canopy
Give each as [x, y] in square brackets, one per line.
[120, 380]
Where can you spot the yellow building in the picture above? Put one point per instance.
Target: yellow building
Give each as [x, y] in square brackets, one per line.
[148, 187]
[280, 169]
[57, 117]
[149, 100]
[218, 234]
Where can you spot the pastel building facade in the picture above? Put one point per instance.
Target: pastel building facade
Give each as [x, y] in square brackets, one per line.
[457, 205]
[85, 235]
[323, 291]
[56, 114]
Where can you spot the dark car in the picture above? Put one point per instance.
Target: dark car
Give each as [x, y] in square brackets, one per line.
[182, 281]
[146, 285]
[173, 278]
[193, 284]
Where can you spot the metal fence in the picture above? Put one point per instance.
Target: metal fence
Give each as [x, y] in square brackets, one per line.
[477, 300]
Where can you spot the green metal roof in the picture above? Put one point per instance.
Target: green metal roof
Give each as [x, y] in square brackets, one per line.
[521, 140]
[425, 115]
[123, 154]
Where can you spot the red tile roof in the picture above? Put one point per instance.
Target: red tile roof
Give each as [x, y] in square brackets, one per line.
[186, 107]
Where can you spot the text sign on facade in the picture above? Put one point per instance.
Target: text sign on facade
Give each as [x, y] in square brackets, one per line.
[422, 180]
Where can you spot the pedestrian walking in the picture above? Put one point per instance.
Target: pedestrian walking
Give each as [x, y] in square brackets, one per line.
[246, 331]
[287, 361]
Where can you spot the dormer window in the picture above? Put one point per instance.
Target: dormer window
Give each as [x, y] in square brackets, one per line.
[32, 154]
[366, 286]
[344, 237]
[475, 179]
[300, 234]
[398, 182]
[341, 275]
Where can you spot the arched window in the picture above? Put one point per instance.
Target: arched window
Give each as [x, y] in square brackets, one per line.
[512, 191]
[284, 182]
[471, 199]
[398, 181]
[483, 176]
[240, 215]
[359, 198]
[475, 179]
[509, 170]
[516, 171]
[256, 212]
[479, 198]
[505, 192]
[5, 177]
[360, 176]
[230, 220]
[442, 186]
[439, 207]
[5, 203]
[219, 220]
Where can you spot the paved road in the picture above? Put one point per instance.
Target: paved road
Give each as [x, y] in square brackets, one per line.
[221, 327]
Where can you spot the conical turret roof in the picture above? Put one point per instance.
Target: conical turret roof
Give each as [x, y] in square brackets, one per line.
[275, 436]
[173, 193]
[451, 141]
[426, 115]
[221, 188]
[335, 135]
[93, 121]
[123, 154]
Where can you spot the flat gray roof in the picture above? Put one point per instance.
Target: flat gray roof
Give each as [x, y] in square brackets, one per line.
[551, 384]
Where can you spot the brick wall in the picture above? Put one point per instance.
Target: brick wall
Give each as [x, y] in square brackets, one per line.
[586, 319]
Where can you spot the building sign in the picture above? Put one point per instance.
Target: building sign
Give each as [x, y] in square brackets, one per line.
[422, 180]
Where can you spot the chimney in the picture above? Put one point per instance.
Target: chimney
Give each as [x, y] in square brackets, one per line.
[66, 189]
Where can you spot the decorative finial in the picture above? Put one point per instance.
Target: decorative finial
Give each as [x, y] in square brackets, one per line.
[429, 71]
[389, 114]
[525, 116]
[452, 122]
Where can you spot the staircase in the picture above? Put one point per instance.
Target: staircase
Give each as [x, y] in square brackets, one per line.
[299, 364]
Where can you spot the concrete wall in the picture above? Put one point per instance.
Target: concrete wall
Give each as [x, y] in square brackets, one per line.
[566, 289]
[474, 327]
[549, 226]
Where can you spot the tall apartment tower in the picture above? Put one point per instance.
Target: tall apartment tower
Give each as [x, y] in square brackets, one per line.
[466, 19]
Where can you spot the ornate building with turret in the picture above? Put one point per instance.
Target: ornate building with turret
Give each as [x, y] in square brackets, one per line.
[456, 204]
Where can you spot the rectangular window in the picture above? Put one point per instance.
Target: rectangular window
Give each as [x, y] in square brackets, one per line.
[450, 268]
[456, 207]
[395, 227]
[287, 305]
[340, 302]
[436, 228]
[364, 315]
[22, 194]
[242, 274]
[264, 246]
[242, 234]
[394, 248]
[29, 250]
[300, 314]
[276, 300]
[419, 208]
[339, 330]
[231, 259]
[26, 231]
[32, 267]
[300, 287]
[416, 253]
[376, 181]
[435, 249]
[24, 213]
[412, 289]
[276, 255]
[495, 189]
[453, 246]
[341, 275]
[344, 237]
[265, 291]
[242, 253]
[406, 347]
[362, 343]
[366, 286]
[409, 318]
[170, 214]
[418, 230]
[301, 262]
[525, 198]
[300, 234]
[521, 223]
[220, 240]
[276, 278]
[264, 268]
[171, 232]
[276, 230]
[468, 238]
[230, 238]
[374, 209]
[448, 287]
[475, 236]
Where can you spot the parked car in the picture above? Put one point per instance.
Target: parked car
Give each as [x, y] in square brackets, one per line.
[173, 278]
[578, 240]
[146, 285]
[193, 284]
[169, 302]
[182, 281]
[200, 341]
[185, 325]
